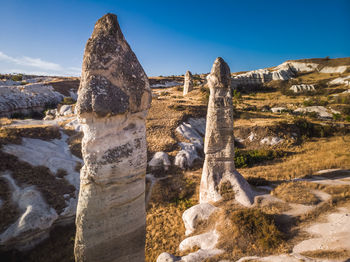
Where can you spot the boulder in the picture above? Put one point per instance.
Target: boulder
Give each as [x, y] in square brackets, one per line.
[114, 98]
[160, 160]
[196, 214]
[65, 110]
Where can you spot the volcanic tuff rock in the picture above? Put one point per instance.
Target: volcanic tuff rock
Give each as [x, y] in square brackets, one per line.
[302, 88]
[219, 164]
[188, 85]
[27, 98]
[114, 97]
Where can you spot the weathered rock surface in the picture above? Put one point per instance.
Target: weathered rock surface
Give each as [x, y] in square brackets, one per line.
[325, 239]
[188, 84]
[65, 110]
[36, 217]
[219, 164]
[271, 141]
[320, 110]
[27, 98]
[193, 130]
[283, 71]
[281, 258]
[302, 88]
[334, 69]
[341, 81]
[194, 215]
[114, 97]
[278, 109]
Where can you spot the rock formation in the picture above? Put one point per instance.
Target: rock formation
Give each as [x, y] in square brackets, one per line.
[302, 88]
[193, 130]
[27, 98]
[188, 84]
[114, 98]
[219, 164]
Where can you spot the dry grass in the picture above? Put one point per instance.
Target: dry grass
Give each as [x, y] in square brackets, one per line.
[245, 232]
[328, 254]
[165, 115]
[74, 142]
[275, 208]
[165, 231]
[14, 134]
[323, 153]
[5, 121]
[63, 86]
[296, 192]
[170, 198]
[9, 211]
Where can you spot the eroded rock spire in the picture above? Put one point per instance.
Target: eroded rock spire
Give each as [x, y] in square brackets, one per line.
[219, 164]
[188, 83]
[114, 97]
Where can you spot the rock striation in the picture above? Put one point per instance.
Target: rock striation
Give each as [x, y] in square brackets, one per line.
[188, 84]
[282, 72]
[219, 164]
[113, 100]
[302, 88]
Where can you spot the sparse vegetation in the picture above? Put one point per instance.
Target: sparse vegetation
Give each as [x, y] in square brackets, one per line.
[244, 158]
[18, 77]
[296, 192]
[68, 101]
[247, 232]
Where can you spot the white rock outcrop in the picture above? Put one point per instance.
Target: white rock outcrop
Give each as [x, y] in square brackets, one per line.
[334, 69]
[219, 164]
[302, 88]
[114, 98]
[160, 160]
[193, 130]
[27, 98]
[65, 110]
[320, 110]
[188, 83]
[278, 109]
[203, 241]
[194, 215]
[36, 216]
[341, 81]
[271, 141]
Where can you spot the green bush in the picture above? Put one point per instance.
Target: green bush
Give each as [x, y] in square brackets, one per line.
[309, 129]
[68, 101]
[18, 77]
[247, 158]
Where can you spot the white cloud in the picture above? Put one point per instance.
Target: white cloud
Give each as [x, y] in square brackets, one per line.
[31, 65]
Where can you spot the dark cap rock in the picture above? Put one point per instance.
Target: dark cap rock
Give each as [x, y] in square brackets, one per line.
[113, 81]
[220, 73]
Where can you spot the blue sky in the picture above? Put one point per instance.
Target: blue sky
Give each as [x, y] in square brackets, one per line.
[170, 37]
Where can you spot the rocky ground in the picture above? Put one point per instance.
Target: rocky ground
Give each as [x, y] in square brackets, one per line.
[292, 147]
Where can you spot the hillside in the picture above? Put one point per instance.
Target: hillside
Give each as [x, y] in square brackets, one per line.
[291, 146]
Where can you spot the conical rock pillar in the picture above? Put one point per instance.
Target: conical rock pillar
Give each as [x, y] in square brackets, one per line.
[114, 98]
[219, 164]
